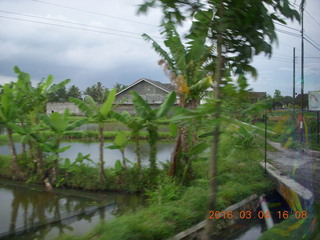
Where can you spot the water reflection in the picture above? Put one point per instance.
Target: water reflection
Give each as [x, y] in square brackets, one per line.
[27, 212]
[111, 156]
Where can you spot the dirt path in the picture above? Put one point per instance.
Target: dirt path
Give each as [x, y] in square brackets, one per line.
[304, 167]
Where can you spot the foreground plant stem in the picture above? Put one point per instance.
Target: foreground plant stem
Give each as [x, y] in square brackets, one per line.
[213, 163]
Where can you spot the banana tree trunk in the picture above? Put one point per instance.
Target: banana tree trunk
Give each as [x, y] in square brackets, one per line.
[55, 165]
[153, 134]
[102, 175]
[124, 162]
[175, 155]
[138, 150]
[39, 160]
[14, 160]
[182, 145]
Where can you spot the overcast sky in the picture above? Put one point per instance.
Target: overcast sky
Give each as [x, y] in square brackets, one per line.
[99, 40]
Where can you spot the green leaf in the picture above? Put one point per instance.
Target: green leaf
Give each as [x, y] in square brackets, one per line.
[209, 134]
[166, 105]
[62, 149]
[118, 166]
[66, 162]
[141, 106]
[199, 148]
[113, 147]
[173, 129]
[77, 124]
[106, 107]
[121, 139]
[56, 87]
[84, 107]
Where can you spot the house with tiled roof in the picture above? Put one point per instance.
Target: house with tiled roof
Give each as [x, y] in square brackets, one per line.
[153, 92]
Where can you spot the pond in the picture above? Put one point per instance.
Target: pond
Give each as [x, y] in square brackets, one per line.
[32, 213]
[110, 156]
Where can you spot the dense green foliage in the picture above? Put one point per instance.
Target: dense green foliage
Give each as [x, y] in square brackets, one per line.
[174, 207]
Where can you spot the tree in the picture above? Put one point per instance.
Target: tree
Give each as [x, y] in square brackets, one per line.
[119, 87]
[74, 92]
[240, 29]
[186, 65]
[97, 92]
[149, 116]
[32, 102]
[8, 114]
[135, 124]
[58, 96]
[100, 114]
[59, 124]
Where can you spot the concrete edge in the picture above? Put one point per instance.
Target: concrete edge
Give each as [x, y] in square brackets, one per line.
[286, 185]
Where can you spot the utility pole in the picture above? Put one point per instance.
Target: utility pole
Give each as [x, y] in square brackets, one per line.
[294, 78]
[302, 69]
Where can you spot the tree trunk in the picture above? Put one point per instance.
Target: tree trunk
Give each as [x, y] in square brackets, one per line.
[124, 162]
[210, 226]
[24, 151]
[39, 161]
[55, 165]
[14, 160]
[102, 175]
[182, 146]
[138, 150]
[175, 156]
[153, 134]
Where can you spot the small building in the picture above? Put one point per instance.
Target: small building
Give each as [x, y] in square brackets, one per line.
[153, 92]
[60, 107]
[254, 97]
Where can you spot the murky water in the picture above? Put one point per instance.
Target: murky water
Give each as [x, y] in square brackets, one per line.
[110, 156]
[35, 214]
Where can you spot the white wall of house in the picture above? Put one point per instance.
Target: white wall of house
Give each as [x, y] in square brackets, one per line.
[60, 107]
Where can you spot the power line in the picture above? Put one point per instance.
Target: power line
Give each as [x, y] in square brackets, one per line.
[63, 21]
[312, 40]
[312, 17]
[288, 33]
[274, 59]
[92, 12]
[312, 43]
[70, 27]
[282, 25]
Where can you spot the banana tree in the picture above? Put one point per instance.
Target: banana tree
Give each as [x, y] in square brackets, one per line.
[187, 67]
[135, 124]
[32, 102]
[149, 116]
[120, 143]
[8, 114]
[100, 114]
[59, 124]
